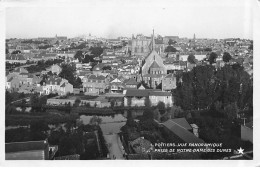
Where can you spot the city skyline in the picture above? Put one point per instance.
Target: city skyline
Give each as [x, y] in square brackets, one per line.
[112, 19]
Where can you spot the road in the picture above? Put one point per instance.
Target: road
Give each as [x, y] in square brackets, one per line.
[114, 146]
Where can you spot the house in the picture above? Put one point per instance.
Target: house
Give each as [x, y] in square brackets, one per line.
[131, 83]
[94, 84]
[16, 58]
[136, 97]
[56, 85]
[31, 150]
[55, 69]
[116, 86]
[179, 131]
[169, 82]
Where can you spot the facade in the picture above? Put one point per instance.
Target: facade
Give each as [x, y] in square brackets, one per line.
[169, 82]
[153, 69]
[136, 97]
[15, 58]
[55, 69]
[57, 85]
[247, 132]
[94, 84]
[140, 45]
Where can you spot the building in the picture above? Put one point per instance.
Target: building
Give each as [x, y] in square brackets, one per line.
[55, 69]
[180, 131]
[94, 84]
[131, 83]
[31, 150]
[57, 85]
[15, 58]
[153, 69]
[140, 45]
[136, 97]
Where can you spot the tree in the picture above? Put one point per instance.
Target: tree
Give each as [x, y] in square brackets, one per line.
[161, 107]
[170, 49]
[77, 102]
[16, 52]
[226, 57]
[38, 130]
[23, 103]
[171, 42]
[147, 102]
[95, 120]
[78, 55]
[212, 57]
[67, 72]
[191, 59]
[231, 111]
[106, 68]
[176, 111]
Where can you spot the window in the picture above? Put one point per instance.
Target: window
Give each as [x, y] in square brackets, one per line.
[136, 49]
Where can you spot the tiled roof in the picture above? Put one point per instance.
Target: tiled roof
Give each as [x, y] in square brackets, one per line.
[93, 77]
[159, 93]
[154, 65]
[131, 81]
[53, 80]
[181, 132]
[139, 93]
[10, 79]
[63, 85]
[182, 122]
[25, 146]
[15, 57]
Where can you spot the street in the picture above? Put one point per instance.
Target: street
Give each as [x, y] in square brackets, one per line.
[114, 146]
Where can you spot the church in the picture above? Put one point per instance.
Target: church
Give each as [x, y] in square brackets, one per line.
[153, 69]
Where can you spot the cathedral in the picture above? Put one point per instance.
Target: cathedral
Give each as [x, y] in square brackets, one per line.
[153, 69]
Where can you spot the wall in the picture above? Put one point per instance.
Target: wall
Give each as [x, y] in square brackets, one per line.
[246, 134]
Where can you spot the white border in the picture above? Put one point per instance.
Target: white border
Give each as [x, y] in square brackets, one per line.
[255, 11]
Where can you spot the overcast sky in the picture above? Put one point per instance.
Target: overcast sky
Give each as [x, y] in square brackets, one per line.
[113, 18]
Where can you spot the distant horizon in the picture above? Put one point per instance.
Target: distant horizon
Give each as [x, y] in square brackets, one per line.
[28, 38]
[214, 19]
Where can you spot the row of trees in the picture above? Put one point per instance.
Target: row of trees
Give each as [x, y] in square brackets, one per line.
[204, 88]
[211, 57]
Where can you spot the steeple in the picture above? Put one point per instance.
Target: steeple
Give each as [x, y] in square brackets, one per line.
[153, 43]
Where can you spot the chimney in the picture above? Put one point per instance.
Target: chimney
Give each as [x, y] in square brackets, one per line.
[195, 129]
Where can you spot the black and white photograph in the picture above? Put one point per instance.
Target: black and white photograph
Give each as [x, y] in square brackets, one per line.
[126, 80]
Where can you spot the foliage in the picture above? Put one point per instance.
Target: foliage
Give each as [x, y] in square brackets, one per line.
[191, 59]
[16, 52]
[68, 73]
[231, 110]
[95, 120]
[204, 86]
[161, 105]
[176, 111]
[212, 57]
[171, 42]
[226, 57]
[170, 49]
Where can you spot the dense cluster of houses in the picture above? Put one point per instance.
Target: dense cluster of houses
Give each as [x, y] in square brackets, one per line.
[138, 69]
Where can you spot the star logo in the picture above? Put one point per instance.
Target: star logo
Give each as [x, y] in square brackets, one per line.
[240, 150]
